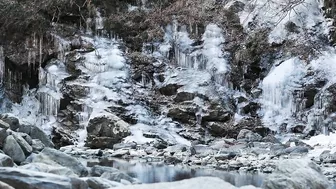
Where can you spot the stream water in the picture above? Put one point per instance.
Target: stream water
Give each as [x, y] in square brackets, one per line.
[157, 172]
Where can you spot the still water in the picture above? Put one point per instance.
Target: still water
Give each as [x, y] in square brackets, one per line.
[156, 172]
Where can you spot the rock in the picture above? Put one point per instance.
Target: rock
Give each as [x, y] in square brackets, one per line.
[248, 135]
[20, 178]
[13, 150]
[5, 186]
[117, 176]
[6, 161]
[37, 145]
[118, 146]
[217, 113]
[45, 168]
[327, 157]
[225, 156]
[4, 125]
[170, 89]
[105, 131]
[194, 183]
[12, 123]
[184, 96]
[3, 136]
[98, 170]
[36, 133]
[181, 114]
[55, 157]
[120, 153]
[26, 137]
[100, 183]
[218, 128]
[27, 149]
[296, 174]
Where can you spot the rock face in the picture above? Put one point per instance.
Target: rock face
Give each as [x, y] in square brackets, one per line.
[104, 132]
[195, 183]
[19, 178]
[296, 174]
[55, 157]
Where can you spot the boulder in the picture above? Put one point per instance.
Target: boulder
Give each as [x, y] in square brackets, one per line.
[98, 170]
[4, 125]
[296, 174]
[105, 131]
[5, 186]
[9, 122]
[37, 145]
[194, 183]
[20, 178]
[27, 149]
[13, 149]
[45, 168]
[54, 157]
[184, 96]
[3, 136]
[170, 89]
[100, 183]
[248, 136]
[218, 128]
[6, 161]
[36, 133]
[327, 157]
[117, 176]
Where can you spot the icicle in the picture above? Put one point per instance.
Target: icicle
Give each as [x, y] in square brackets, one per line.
[2, 65]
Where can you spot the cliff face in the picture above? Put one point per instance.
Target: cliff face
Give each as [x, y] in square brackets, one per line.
[330, 11]
[215, 67]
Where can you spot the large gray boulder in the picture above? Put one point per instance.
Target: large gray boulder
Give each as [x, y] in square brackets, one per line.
[5, 186]
[248, 136]
[3, 136]
[27, 149]
[100, 183]
[36, 133]
[296, 174]
[13, 150]
[194, 183]
[6, 161]
[20, 178]
[105, 131]
[45, 168]
[98, 170]
[54, 157]
[118, 176]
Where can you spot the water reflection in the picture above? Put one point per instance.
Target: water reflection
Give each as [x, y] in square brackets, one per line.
[155, 172]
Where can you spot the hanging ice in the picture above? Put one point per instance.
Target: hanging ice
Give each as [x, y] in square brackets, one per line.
[278, 102]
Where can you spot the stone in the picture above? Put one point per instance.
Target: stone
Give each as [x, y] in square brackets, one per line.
[21, 178]
[5, 186]
[170, 89]
[37, 145]
[194, 183]
[98, 170]
[184, 96]
[181, 114]
[117, 176]
[131, 145]
[248, 135]
[4, 125]
[3, 136]
[54, 157]
[327, 157]
[27, 149]
[36, 133]
[6, 161]
[100, 183]
[46, 168]
[296, 174]
[13, 150]
[12, 123]
[218, 128]
[105, 131]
